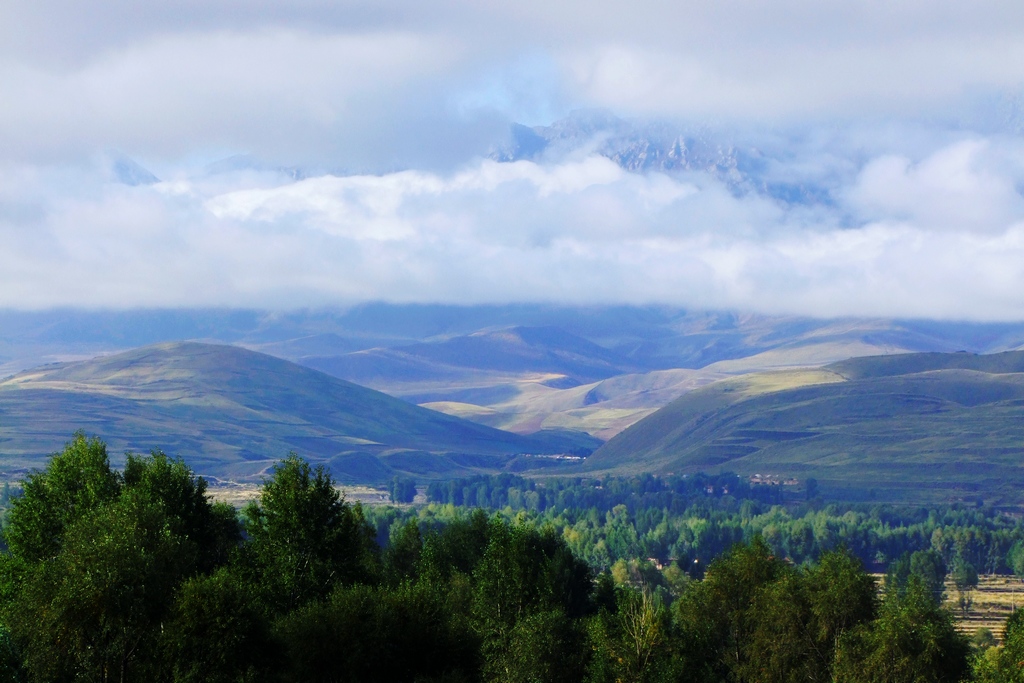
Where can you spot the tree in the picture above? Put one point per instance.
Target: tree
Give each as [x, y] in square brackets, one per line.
[632, 642]
[403, 552]
[798, 619]
[11, 669]
[546, 646]
[303, 538]
[756, 618]
[96, 558]
[718, 615]
[965, 580]
[171, 484]
[526, 579]
[95, 609]
[402, 490]
[216, 633]
[1015, 558]
[1004, 664]
[927, 565]
[456, 549]
[930, 568]
[777, 647]
[393, 635]
[841, 596]
[912, 640]
[75, 483]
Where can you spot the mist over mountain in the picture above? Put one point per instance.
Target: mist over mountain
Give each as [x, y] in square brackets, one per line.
[764, 162]
[634, 145]
[628, 338]
[644, 280]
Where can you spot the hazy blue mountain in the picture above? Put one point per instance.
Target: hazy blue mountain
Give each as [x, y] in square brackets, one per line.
[653, 337]
[127, 171]
[512, 351]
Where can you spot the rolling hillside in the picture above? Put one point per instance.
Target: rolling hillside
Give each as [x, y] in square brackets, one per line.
[231, 412]
[911, 427]
[520, 368]
[606, 407]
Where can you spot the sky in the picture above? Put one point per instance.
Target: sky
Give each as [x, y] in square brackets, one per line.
[311, 153]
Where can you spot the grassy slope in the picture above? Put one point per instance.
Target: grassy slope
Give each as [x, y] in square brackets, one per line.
[231, 412]
[909, 427]
[607, 407]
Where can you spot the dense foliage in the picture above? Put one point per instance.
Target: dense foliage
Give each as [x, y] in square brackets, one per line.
[683, 519]
[137, 576]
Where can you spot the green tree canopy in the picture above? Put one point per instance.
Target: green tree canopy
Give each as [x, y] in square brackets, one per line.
[75, 483]
[95, 609]
[95, 559]
[527, 578]
[912, 640]
[303, 538]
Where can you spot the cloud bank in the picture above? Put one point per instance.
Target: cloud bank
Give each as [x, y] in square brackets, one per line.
[894, 131]
[940, 237]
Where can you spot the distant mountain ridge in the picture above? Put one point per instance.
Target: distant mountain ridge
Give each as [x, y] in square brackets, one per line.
[658, 146]
[652, 337]
[510, 351]
[634, 146]
[520, 367]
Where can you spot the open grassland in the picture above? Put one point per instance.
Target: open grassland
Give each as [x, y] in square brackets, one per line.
[920, 428]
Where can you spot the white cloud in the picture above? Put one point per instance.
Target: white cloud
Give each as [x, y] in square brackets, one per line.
[968, 186]
[337, 99]
[399, 84]
[901, 117]
[579, 231]
[788, 82]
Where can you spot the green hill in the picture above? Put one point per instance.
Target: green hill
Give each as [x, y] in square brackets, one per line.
[231, 412]
[909, 427]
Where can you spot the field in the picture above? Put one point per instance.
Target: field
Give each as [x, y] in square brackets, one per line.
[996, 597]
[238, 494]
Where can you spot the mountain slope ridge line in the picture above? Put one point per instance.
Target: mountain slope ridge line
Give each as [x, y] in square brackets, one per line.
[230, 411]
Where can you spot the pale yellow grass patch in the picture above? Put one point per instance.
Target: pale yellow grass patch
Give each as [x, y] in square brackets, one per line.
[457, 409]
[234, 494]
[769, 382]
[238, 495]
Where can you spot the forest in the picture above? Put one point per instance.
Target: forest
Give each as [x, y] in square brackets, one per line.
[137, 575]
[691, 520]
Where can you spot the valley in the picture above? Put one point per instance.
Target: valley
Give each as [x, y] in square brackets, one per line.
[440, 392]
